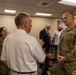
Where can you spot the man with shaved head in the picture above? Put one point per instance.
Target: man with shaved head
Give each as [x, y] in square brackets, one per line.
[56, 37]
[67, 46]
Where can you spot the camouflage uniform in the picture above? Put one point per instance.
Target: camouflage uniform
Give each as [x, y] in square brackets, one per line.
[4, 70]
[67, 48]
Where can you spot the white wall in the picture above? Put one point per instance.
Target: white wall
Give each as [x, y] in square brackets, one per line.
[37, 24]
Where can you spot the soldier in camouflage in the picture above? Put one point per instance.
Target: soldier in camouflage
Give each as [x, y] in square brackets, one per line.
[4, 70]
[67, 46]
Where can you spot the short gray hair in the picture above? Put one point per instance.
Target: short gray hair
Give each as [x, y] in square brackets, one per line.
[21, 18]
[47, 25]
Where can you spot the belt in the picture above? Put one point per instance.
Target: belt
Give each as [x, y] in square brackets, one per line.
[23, 72]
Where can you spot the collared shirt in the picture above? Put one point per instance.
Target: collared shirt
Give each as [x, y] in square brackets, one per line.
[22, 52]
[56, 36]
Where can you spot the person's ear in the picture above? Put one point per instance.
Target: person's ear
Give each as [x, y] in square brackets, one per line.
[25, 24]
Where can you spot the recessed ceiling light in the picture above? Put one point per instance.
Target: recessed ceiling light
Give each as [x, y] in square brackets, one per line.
[68, 2]
[43, 14]
[10, 11]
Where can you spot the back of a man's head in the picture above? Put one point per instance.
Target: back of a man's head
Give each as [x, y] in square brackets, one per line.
[21, 18]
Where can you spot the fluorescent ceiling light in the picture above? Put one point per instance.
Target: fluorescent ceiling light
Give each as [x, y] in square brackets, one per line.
[43, 14]
[74, 16]
[10, 11]
[68, 2]
[72, 1]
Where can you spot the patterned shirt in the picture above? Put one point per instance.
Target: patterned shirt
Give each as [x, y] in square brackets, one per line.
[67, 47]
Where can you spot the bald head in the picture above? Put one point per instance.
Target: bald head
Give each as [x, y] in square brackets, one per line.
[60, 27]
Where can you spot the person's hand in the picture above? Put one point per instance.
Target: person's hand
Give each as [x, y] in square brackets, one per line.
[60, 58]
[41, 42]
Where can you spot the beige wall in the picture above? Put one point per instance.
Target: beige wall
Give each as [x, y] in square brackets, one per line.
[7, 21]
[37, 24]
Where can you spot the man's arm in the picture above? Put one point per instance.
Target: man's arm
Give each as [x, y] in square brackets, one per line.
[70, 56]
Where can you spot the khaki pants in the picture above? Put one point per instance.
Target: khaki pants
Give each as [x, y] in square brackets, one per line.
[14, 73]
